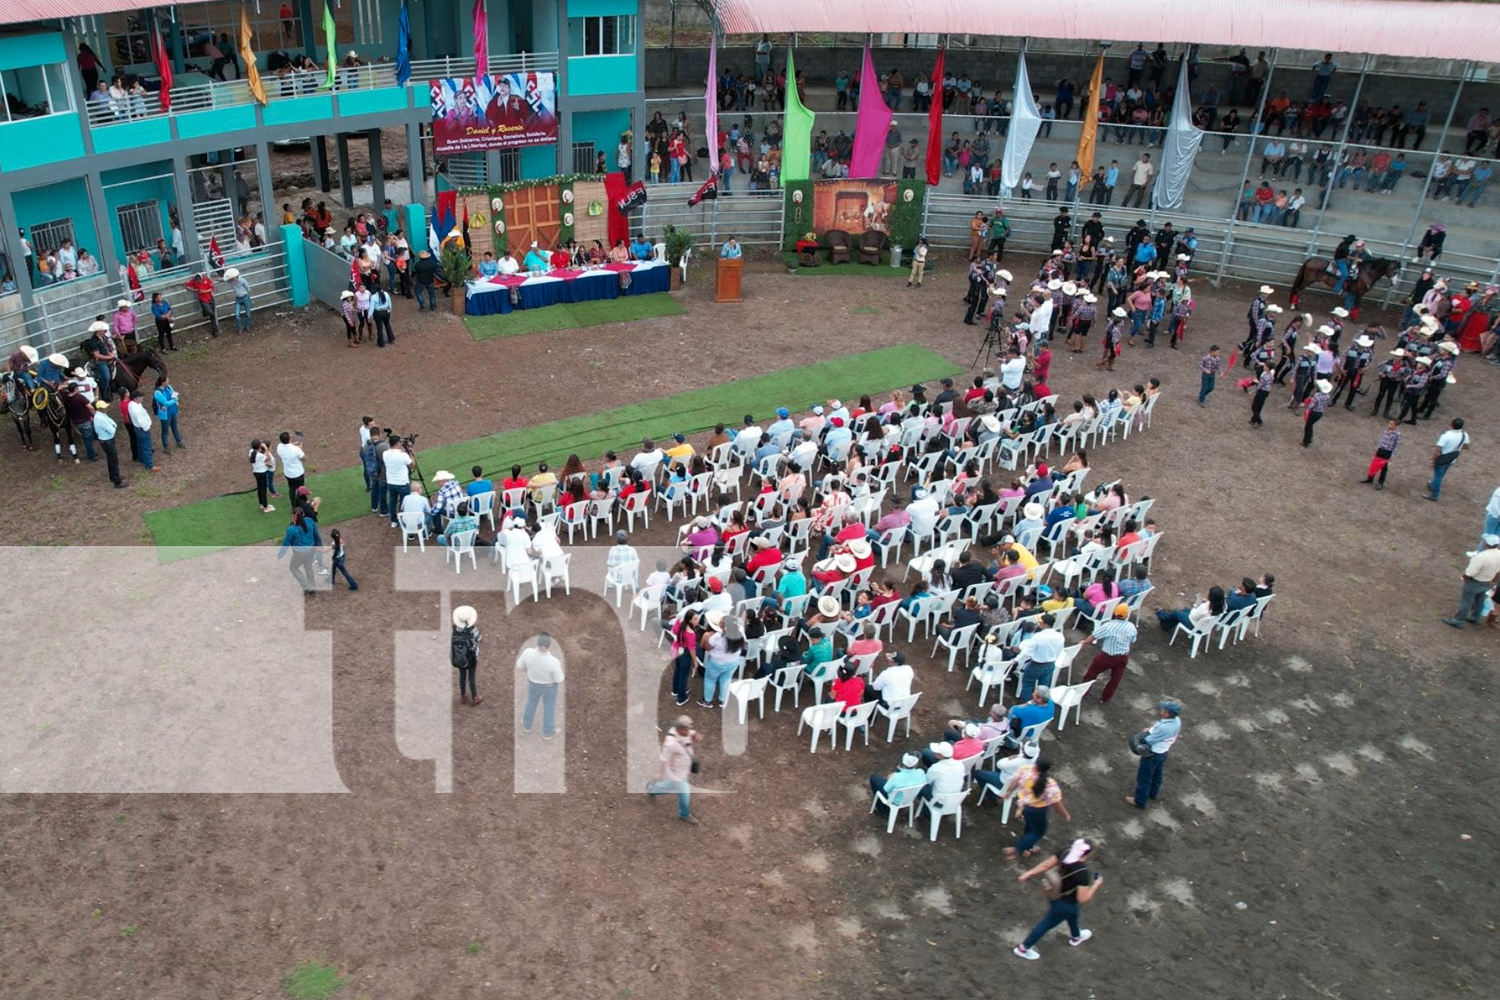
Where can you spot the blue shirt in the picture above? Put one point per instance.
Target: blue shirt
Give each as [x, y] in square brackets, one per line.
[1111, 176]
[300, 538]
[166, 402]
[161, 309]
[479, 486]
[1031, 713]
[489, 268]
[1161, 736]
[535, 262]
[729, 252]
[641, 250]
[1237, 600]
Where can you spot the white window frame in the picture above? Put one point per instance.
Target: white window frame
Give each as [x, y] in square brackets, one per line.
[624, 35]
[147, 209]
[63, 227]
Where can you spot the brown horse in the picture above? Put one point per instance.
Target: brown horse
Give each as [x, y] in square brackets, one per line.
[16, 400]
[1315, 272]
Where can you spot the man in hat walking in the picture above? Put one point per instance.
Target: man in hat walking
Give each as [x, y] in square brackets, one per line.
[674, 767]
[544, 675]
[1356, 360]
[1316, 405]
[1479, 580]
[1416, 388]
[464, 652]
[1158, 739]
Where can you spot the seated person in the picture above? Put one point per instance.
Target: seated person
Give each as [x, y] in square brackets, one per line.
[848, 688]
[967, 572]
[1027, 714]
[962, 617]
[894, 682]
[907, 775]
[833, 570]
[536, 258]
[489, 266]
[1195, 616]
[507, 264]
[1265, 586]
[883, 592]
[461, 521]
[640, 249]
[946, 775]
[967, 745]
[1243, 596]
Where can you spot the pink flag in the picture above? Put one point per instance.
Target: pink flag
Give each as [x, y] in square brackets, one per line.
[871, 126]
[481, 40]
[711, 107]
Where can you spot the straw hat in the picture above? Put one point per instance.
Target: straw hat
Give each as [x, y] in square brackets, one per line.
[1069, 288]
[1057, 253]
[990, 423]
[98, 326]
[859, 548]
[1090, 298]
[1032, 510]
[1311, 348]
[828, 607]
[464, 616]
[1273, 309]
[122, 304]
[30, 351]
[844, 562]
[231, 274]
[59, 360]
[1267, 290]
[1425, 362]
[715, 620]
[442, 475]
[1324, 385]
[1398, 353]
[1326, 330]
[346, 295]
[1183, 256]
[1448, 347]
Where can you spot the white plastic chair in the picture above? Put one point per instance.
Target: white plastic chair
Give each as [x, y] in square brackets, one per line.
[518, 576]
[1199, 636]
[747, 691]
[926, 610]
[575, 516]
[821, 719]
[482, 506]
[413, 525]
[637, 503]
[945, 804]
[459, 545]
[897, 711]
[647, 602]
[904, 797]
[990, 674]
[1256, 614]
[1232, 623]
[600, 510]
[555, 569]
[622, 576]
[788, 678]
[958, 639]
[1066, 696]
[857, 718]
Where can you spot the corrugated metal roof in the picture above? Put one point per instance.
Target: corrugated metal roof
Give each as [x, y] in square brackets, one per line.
[1413, 28]
[30, 11]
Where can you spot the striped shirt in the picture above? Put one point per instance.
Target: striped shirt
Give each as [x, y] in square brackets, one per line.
[1388, 441]
[1115, 636]
[1267, 376]
[1211, 364]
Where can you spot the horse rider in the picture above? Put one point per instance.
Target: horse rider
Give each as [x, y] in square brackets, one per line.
[53, 371]
[101, 348]
[1349, 254]
[20, 364]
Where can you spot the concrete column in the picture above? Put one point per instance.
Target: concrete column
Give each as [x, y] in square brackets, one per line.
[109, 261]
[319, 152]
[267, 185]
[415, 164]
[377, 170]
[186, 220]
[15, 251]
[296, 263]
[226, 181]
[346, 182]
[564, 108]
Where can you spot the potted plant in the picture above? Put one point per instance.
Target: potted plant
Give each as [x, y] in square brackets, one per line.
[679, 248]
[457, 265]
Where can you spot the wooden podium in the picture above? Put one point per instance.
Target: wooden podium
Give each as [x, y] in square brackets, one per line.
[727, 280]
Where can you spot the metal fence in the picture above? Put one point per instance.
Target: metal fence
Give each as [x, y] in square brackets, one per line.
[753, 219]
[61, 314]
[328, 274]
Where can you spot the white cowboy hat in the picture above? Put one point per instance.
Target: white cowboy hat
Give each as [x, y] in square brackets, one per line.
[58, 360]
[1032, 510]
[1424, 361]
[1266, 290]
[1324, 385]
[443, 475]
[122, 304]
[30, 351]
[464, 616]
[1069, 288]
[1183, 256]
[1273, 309]
[1057, 253]
[1449, 347]
[98, 326]
[1090, 297]
[843, 562]
[859, 548]
[1109, 239]
[1326, 330]
[715, 620]
[1118, 311]
[533, 244]
[1431, 322]
[1364, 341]
[1451, 380]
[828, 606]
[1398, 353]
[792, 564]
[1054, 284]
[760, 542]
[346, 295]
[231, 274]
[1340, 312]
[990, 423]
[1004, 274]
[1312, 348]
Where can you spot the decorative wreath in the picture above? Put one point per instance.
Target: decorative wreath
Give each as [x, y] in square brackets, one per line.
[567, 218]
[567, 196]
[908, 194]
[797, 196]
[499, 227]
[497, 206]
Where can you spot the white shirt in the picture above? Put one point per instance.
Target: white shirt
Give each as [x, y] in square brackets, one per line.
[895, 682]
[1042, 646]
[747, 440]
[1141, 173]
[1493, 508]
[414, 503]
[140, 417]
[509, 265]
[947, 775]
[517, 542]
[1012, 370]
[177, 242]
[1450, 441]
[541, 666]
[923, 515]
[291, 460]
[397, 467]
[364, 435]
[646, 459]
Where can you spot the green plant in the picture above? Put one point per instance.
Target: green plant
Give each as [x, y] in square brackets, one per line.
[679, 242]
[313, 981]
[456, 264]
[128, 932]
[474, 947]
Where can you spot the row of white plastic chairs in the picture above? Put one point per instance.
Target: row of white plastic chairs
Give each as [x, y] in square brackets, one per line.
[1228, 625]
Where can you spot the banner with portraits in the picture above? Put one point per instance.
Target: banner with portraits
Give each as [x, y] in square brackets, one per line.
[473, 114]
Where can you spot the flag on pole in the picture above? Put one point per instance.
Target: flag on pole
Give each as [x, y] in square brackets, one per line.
[1025, 122]
[163, 68]
[1181, 147]
[872, 124]
[1090, 131]
[711, 107]
[707, 191]
[466, 226]
[403, 46]
[330, 39]
[481, 40]
[796, 131]
[935, 123]
[215, 256]
[247, 53]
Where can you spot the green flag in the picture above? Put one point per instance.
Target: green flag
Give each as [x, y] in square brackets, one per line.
[331, 40]
[796, 131]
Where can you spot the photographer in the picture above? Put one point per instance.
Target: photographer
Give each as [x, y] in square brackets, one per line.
[290, 452]
[398, 464]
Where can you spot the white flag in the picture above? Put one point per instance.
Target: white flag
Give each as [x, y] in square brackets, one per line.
[1025, 121]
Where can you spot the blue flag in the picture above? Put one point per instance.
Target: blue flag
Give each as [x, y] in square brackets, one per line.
[403, 44]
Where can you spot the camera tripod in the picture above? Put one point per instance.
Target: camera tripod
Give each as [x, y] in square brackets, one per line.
[988, 347]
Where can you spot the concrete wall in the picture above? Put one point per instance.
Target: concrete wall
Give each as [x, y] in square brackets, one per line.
[67, 199]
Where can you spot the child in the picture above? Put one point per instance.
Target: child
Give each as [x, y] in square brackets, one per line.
[338, 552]
[1026, 186]
[655, 167]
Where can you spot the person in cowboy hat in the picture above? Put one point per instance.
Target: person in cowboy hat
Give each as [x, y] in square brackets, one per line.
[1393, 373]
[674, 767]
[1316, 404]
[1442, 374]
[464, 652]
[20, 364]
[1356, 360]
[122, 324]
[53, 370]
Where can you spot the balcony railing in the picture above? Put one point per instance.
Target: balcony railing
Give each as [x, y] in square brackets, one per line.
[236, 93]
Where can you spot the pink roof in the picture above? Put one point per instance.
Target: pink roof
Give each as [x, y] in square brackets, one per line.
[1418, 28]
[20, 11]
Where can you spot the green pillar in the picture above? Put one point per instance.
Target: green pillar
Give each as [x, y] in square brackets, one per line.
[416, 229]
[296, 264]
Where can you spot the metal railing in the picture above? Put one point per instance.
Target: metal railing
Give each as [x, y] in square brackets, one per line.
[754, 220]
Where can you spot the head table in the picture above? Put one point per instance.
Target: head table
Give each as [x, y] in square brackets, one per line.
[488, 296]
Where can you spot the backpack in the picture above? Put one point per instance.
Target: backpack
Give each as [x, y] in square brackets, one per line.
[461, 647]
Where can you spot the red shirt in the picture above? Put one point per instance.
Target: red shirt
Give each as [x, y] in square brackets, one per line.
[204, 287]
[513, 484]
[966, 748]
[560, 258]
[852, 694]
[765, 557]
[866, 562]
[1043, 367]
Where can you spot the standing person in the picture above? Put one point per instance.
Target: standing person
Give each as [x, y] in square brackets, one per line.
[675, 766]
[380, 311]
[301, 537]
[1492, 515]
[544, 674]
[1262, 390]
[918, 262]
[1037, 793]
[1208, 367]
[1444, 453]
[291, 456]
[463, 653]
[424, 276]
[1479, 581]
[140, 423]
[261, 464]
[684, 655]
[1076, 886]
[1158, 740]
[202, 285]
[352, 324]
[397, 465]
[339, 554]
[161, 311]
[1115, 638]
[241, 289]
[104, 431]
[1317, 403]
[167, 399]
[1385, 450]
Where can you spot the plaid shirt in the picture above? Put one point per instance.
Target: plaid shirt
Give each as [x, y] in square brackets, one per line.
[1130, 586]
[1115, 636]
[449, 495]
[1388, 441]
[1211, 364]
[1318, 403]
[1267, 376]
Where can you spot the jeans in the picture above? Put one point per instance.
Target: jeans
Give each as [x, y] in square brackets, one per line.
[302, 571]
[166, 424]
[86, 431]
[241, 314]
[669, 786]
[1491, 527]
[143, 444]
[1439, 470]
[547, 695]
[431, 293]
[466, 683]
[1471, 600]
[1205, 386]
[101, 376]
[340, 567]
[1148, 777]
[1058, 911]
[379, 497]
[383, 332]
[716, 677]
[112, 459]
[394, 495]
[1035, 820]
[1034, 674]
[682, 671]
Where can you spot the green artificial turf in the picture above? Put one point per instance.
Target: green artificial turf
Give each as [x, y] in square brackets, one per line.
[235, 519]
[568, 316]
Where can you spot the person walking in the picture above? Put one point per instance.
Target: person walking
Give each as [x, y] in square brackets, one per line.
[1385, 450]
[1076, 886]
[1158, 742]
[380, 312]
[104, 432]
[1444, 453]
[167, 399]
[544, 675]
[1479, 581]
[1263, 383]
[1208, 367]
[301, 539]
[1115, 638]
[675, 767]
[1317, 404]
[463, 652]
[339, 554]
[1037, 793]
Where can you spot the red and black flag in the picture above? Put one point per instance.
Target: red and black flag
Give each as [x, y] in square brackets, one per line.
[707, 191]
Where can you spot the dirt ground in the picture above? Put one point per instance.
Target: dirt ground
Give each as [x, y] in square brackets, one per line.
[1333, 777]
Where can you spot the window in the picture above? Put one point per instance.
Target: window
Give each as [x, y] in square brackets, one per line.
[583, 157]
[48, 236]
[609, 36]
[140, 225]
[34, 91]
[510, 166]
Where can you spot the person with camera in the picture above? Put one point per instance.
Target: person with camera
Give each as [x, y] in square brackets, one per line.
[261, 465]
[1074, 885]
[289, 452]
[1153, 745]
[398, 463]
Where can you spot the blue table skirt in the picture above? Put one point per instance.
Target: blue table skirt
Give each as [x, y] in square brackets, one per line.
[585, 289]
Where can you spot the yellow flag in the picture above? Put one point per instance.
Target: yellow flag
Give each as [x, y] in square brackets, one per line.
[252, 74]
[1090, 122]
